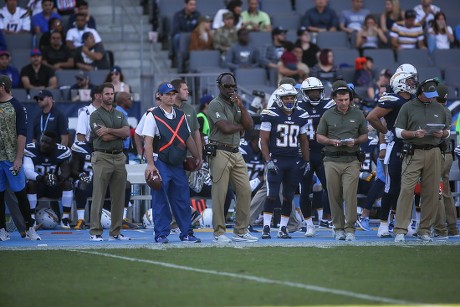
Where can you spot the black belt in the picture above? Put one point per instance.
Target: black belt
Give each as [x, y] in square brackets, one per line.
[227, 148]
[112, 152]
[425, 147]
[340, 153]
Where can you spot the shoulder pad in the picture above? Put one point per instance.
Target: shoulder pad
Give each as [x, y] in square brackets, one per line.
[304, 114]
[388, 97]
[64, 154]
[329, 104]
[243, 151]
[80, 147]
[269, 112]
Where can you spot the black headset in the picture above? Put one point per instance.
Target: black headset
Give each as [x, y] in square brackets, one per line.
[420, 86]
[219, 78]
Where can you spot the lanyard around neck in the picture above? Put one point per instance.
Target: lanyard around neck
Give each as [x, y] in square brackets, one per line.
[43, 128]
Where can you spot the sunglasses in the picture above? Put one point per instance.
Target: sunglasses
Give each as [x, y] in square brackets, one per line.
[80, 79]
[229, 86]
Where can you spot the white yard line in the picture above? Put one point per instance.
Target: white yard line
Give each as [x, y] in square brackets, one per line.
[256, 279]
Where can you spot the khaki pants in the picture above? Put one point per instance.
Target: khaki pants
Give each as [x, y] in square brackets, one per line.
[342, 187]
[446, 210]
[428, 163]
[227, 166]
[108, 170]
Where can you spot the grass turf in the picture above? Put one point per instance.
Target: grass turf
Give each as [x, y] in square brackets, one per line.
[419, 274]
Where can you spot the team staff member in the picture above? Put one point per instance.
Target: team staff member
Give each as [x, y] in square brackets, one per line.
[228, 119]
[422, 158]
[168, 128]
[109, 128]
[341, 129]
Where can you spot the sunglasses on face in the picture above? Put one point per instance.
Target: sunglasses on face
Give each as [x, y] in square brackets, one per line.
[80, 79]
[229, 86]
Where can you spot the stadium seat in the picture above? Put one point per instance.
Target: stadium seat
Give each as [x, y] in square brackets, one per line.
[274, 8]
[260, 40]
[332, 40]
[19, 41]
[250, 77]
[446, 58]
[408, 4]
[209, 7]
[382, 57]
[202, 60]
[417, 57]
[20, 58]
[452, 76]
[348, 74]
[166, 9]
[290, 22]
[345, 56]
[66, 77]
[98, 76]
[183, 53]
[428, 72]
[20, 94]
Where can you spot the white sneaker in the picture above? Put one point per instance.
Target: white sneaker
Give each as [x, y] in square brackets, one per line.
[310, 231]
[32, 234]
[400, 238]
[119, 237]
[222, 239]
[339, 235]
[244, 238]
[383, 231]
[175, 231]
[411, 231]
[4, 235]
[349, 236]
[424, 238]
[97, 238]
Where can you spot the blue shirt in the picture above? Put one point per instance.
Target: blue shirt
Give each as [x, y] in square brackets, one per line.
[325, 20]
[41, 21]
[127, 141]
[13, 73]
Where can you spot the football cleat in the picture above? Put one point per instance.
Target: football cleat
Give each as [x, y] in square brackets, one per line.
[266, 232]
[119, 237]
[80, 225]
[125, 224]
[283, 233]
[31, 234]
[65, 223]
[96, 238]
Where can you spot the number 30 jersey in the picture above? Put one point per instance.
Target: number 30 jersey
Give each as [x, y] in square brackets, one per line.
[284, 130]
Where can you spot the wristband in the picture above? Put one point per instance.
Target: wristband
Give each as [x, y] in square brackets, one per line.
[383, 146]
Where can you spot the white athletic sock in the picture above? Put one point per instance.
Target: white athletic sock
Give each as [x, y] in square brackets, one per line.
[284, 221]
[320, 214]
[33, 203]
[125, 213]
[81, 214]
[268, 219]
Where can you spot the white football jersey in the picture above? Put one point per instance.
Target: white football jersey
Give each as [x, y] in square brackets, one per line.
[14, 22]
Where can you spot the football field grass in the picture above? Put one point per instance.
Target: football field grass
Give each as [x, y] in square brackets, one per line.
[233, 276]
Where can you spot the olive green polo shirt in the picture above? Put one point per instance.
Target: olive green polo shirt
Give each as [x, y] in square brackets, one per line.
[337, 125]
[192, 118]
[110, 119]
[221, 110]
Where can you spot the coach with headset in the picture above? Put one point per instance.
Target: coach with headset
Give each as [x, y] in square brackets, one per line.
[422, 123]
[228, 119]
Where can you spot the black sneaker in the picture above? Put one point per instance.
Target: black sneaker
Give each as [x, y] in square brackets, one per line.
[325, 224]
[266, 232]
[283, 233]
[65, 223]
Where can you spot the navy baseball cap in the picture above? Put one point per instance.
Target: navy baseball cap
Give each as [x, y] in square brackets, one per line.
[42, 94]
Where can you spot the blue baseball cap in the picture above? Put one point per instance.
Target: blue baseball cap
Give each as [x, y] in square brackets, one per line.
[206, 99]
[166, 88]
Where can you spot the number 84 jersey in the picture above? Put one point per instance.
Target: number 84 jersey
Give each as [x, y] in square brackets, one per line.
[284, 130]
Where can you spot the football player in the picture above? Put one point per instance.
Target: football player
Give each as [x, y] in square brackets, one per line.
[82, 172]
[46, 165]
[314, 102]
[282, 128]
[404, 86]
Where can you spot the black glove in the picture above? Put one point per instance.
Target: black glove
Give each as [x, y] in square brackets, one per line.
[306, 167]
[85, 178]
[272, 168]
[51, 180]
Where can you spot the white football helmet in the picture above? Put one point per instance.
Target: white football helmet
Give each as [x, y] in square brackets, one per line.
[286, 90]
[309, 84]
[196, 179]
[147, 219]
[47, 218]
[404, 82]
[206, 218]
[106, 219]
[407, 68]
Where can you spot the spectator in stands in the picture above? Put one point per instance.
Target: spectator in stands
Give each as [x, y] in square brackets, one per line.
[353, 20]
[425, 13]
[320, 18]
[50, 119]
[91, 55]
[34, 7]
[370, 36]
[54, 25]
[407, 34]
[291, 64]
[36, 75]
[83, 83]
[225, 36]
[392, 14]
[116, 77]
[184, 20]
[255, 19]
[57, 55]
[65, 7]
[241, 54]
[40, 20]
[74, 36]
[310, 51]
[440, 36]
[81, 7]
[8, 70]
[326, 71]
[274, 51]
[14, 19]
[375, 91]
[201, 37]
[234, 7]
[364, 74]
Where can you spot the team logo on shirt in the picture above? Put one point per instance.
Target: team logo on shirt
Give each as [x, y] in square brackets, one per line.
[217, 114]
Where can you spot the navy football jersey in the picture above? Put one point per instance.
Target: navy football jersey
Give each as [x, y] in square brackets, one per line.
[47, 164]
[81, 151]
[394, 102]
[369, 149]
[315, 113]
[284, 130]
[254, 161]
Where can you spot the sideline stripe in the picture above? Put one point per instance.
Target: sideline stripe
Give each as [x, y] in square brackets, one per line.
[260, 279]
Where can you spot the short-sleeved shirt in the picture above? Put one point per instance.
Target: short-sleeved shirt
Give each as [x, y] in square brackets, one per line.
[220, 110]
[13, 122]
[415, 114]
[325, 20]
[149, 125]
[407, 37]
[41, 78]
[53, 56]
[83, 121]
[74, 35]
[337, 125]
[13, 74]
[261, 18]
[41, 21]
[354, 20]
[111, 119]
[55, 121]
[81, 57]
[17, 22]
